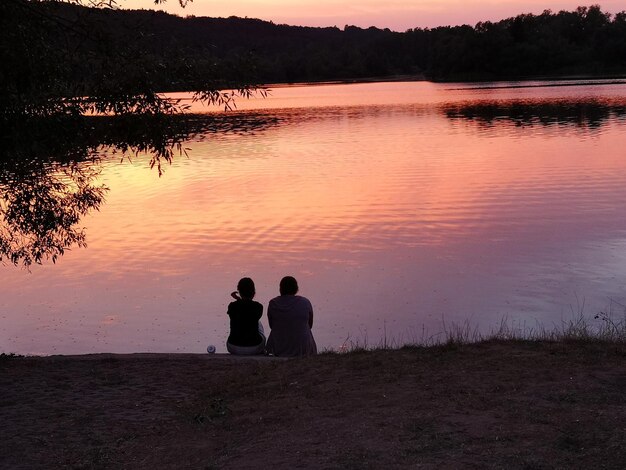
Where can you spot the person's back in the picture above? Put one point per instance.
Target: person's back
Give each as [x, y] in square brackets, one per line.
[246, 332]
[291, 318]
[244, 320]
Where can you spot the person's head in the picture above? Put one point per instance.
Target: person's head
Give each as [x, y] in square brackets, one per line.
[288, 286]
[246, 289]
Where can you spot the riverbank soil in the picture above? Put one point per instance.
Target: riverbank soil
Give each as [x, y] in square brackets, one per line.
[514, 405]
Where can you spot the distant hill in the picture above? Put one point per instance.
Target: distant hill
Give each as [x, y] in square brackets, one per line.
[178, 53]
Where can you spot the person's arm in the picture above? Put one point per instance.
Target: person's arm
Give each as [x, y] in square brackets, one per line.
[311, 318]
[270, 313]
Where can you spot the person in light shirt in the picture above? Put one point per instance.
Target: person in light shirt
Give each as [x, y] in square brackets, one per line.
[290, 317]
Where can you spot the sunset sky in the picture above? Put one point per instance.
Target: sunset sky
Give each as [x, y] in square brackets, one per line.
[398, 15]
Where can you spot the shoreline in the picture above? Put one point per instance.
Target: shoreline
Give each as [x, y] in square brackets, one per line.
[492, 404]
[609, 78]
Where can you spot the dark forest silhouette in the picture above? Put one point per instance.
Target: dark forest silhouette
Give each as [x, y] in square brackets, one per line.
[61, 58]
[584, 41]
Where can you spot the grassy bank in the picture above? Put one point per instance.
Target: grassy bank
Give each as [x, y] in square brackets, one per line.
[491, 404]
[604, 327]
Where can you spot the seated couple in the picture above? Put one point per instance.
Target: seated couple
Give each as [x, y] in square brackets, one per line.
[290, 317]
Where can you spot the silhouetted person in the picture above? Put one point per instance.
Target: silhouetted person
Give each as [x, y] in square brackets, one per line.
[291, 318]
[246, 332]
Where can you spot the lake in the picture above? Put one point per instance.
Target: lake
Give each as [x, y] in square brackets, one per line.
[401, 208]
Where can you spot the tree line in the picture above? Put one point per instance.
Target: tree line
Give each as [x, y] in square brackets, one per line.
[56, 48]
[584, 41]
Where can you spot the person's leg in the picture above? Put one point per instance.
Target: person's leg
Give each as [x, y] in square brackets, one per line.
[246, 350]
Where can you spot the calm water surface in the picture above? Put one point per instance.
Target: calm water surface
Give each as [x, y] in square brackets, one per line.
[397, 206]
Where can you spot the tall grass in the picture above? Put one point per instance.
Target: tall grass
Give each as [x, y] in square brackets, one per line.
[604, 327]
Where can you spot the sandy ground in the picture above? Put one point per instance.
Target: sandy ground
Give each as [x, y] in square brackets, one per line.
[512, 405]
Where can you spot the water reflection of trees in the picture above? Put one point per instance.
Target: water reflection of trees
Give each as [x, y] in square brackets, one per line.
[589, 114]
[49, 172]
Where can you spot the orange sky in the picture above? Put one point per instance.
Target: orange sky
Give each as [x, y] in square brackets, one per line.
[397, 15]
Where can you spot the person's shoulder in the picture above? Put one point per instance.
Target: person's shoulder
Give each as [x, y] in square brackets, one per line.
[303, 300]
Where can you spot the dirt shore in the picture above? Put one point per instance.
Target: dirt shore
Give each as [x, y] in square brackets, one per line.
[514, 405]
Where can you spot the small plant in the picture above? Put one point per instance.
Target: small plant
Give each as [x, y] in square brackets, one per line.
[613, 329]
